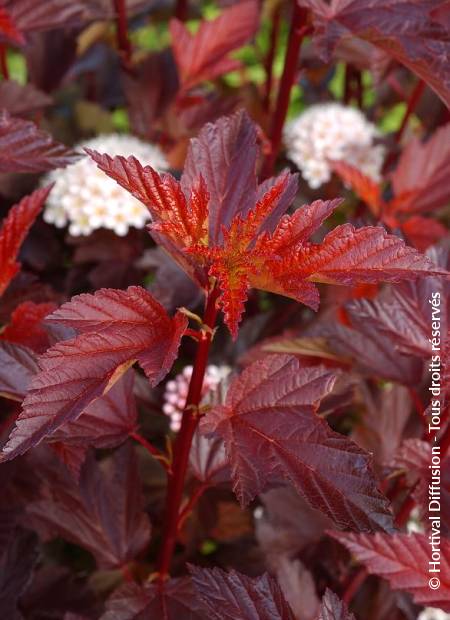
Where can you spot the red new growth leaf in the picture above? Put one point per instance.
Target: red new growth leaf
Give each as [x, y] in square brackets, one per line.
[205, 55]
[273, 435]
[14, 229]
[420, 179]
[9, 33]
[173, 599]
[333, 608]
[227, 596]
[117, 329]
[82, 514]
[26, 148]
[26, 327]
[219, 223]
[365, 187]
[407, 30]
[403, 560]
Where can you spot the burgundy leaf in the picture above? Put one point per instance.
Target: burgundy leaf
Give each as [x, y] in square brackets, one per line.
[19, 100]
[403, 559]
[333, 608]
[208, 460]
[14, 230]
[34, 15]
[205, 55]
[9, 33]
[273, 435]
[175, 599]
[82, 514]
[26, 326]
[369, 352]
[17, 560]
[117, 328]
[26, 148]
[225, 155]
[407, 30]
[106, 422]
[228, 596]
[297, 584]
[71, 456]
[17, 366]
[419, 181]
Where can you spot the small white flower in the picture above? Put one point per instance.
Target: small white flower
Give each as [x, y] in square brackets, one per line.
[332, 131]
[86, 199]
[176, 391]
[432, 613]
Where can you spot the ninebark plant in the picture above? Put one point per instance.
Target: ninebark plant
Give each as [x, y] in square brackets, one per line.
[277, 437]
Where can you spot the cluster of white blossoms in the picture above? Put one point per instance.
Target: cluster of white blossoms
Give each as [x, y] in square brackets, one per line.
[432, 613]
[331, 131]
[177, 390]
[86, 198]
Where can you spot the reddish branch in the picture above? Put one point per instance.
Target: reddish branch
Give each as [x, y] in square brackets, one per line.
[157, 454]
[268, 63]
[123, 41]
[297, 32]
[184, 440]
[4, 61]
[181, 10]
[411, 106]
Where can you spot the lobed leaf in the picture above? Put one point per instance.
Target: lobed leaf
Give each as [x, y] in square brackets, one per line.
[117, 328]
[174, 599]
[409, 31]
[231, 595]
[20, 99]
[273, 435]
[333, 608]
[403, 559]
[205, 54]
[420, 178]
[14, 230]
[26, 148]
[26, 326]
[82, 513]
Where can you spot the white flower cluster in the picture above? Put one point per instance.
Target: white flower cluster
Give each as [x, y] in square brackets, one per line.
[432, 613]
[332, 131]
[86, 199]
[176, 391]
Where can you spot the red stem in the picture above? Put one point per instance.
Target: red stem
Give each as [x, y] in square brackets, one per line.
[157, 454]
[354, 584]
[268, 64]
[196, 495]
[4, 61]
[181, 10]
[123, 41]
[297, 32]
[184, 440]
[412, 103]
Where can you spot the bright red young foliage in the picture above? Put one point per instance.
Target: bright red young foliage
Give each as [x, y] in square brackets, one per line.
[235, 235]
[14, 229]
[272, 434]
